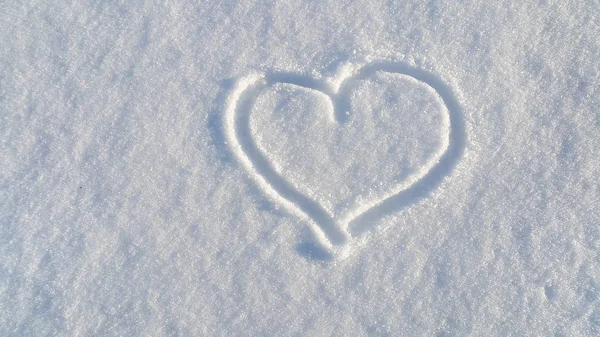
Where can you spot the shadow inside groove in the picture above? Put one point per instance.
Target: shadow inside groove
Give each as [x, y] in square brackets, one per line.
[298, 80]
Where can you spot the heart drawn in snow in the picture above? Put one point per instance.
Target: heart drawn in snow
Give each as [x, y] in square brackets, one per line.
[346, 151]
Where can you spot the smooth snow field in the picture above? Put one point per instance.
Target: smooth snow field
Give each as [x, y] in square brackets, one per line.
[300, 168]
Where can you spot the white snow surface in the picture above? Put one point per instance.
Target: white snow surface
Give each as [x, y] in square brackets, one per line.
[300, 168]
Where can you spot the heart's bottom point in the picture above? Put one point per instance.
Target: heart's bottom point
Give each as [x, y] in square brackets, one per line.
[339, 248]
[340, 252]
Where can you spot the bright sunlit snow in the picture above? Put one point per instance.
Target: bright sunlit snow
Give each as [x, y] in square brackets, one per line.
[300, 168]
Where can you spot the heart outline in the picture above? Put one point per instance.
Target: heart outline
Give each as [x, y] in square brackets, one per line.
[333, 235]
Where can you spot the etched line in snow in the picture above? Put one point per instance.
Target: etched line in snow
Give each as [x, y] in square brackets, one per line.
[335, 234]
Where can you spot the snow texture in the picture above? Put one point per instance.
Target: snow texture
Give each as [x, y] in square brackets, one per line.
[300, 168]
